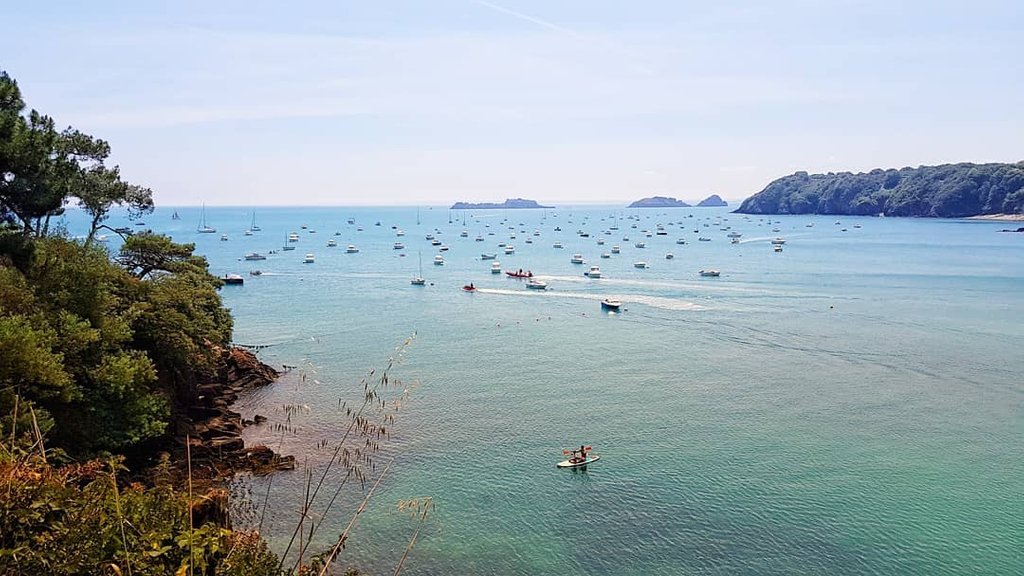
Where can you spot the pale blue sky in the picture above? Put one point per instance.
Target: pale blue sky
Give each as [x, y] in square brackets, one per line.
[564, 101]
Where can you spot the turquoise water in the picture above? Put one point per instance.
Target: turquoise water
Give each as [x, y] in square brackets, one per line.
[851, 405]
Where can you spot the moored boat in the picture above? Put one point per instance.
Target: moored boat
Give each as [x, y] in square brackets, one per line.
[710, 273]
[536, 284]
[519, 274]
[611, 304]
[232, 279]
[594, 272]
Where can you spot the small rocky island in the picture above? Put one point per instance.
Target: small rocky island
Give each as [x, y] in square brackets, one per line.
[509, 203]
[712, 201]
[659, 202]
[946, 191]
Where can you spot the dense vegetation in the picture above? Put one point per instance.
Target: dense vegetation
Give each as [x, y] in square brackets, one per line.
[95, 353]
[946, 191]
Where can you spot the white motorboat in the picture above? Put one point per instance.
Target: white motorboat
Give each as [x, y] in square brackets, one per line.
[611, 304]
[255, 256]
[594, 272]
[640, 264]
[669, 256]
[640, 245]
[309, 259]
[606, 255]
[293, 237]
[332, 243]
[488, 256]
[616, 249]
[576, 259]
[557, 245]
[510, 249]
[496, 267]
[536, 284]
[438, 260]
[351, 249]
[710, 273]
[398, 246]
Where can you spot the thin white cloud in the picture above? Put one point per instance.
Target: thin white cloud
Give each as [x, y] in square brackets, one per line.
[538, 21]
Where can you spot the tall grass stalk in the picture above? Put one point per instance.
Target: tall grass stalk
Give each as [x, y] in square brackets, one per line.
[357, 423]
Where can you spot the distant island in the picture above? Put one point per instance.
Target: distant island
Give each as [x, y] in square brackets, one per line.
[509, 203]
[712, 201]
[658, 202]
[946, 191]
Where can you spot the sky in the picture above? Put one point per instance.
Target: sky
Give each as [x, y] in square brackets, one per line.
[392, 102]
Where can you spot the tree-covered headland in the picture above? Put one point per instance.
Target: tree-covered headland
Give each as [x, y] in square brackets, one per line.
[946, 191]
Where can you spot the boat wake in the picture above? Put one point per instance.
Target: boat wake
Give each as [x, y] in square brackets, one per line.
[696, 285]
[652, 301]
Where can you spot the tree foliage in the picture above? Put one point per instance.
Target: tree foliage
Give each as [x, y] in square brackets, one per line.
[42, 169]
[94, 353]
[82, 520]
[946, 191]
[102, 352]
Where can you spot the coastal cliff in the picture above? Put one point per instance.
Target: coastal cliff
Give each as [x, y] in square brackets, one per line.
[946, 191]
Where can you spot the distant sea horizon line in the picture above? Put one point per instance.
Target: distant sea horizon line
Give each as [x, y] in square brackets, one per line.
[556, 205]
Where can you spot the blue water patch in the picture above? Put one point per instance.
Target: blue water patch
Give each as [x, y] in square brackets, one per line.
[849, 405]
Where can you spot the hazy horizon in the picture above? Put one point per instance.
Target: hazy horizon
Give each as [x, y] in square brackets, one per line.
[408, 103]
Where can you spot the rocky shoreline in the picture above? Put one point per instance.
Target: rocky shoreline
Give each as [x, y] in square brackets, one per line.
[210, 432]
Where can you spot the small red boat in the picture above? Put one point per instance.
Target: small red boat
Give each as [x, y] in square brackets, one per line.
[519, 274]
[469, 288]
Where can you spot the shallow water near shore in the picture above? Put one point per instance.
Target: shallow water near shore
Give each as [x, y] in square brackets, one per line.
[851, 405]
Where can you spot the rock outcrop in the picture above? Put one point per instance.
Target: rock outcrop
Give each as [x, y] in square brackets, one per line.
[214, 432]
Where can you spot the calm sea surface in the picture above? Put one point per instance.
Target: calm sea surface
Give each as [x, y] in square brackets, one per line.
[851, 405]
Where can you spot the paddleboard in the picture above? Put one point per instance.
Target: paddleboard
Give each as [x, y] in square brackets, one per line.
[569, 464]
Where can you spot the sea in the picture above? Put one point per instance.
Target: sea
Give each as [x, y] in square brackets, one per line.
[851, 404]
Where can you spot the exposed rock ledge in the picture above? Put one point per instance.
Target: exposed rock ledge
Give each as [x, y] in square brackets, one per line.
[214, 431]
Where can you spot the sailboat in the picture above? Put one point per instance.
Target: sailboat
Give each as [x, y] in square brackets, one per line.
[254, 227]
[287, 245]
[175, 216]
[205, 228]
[418, 280]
